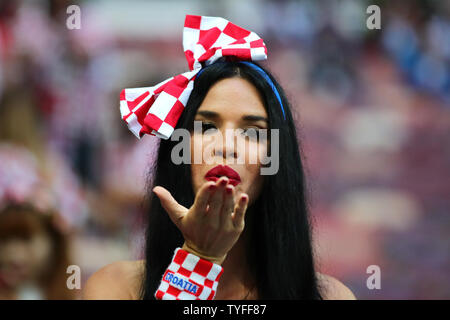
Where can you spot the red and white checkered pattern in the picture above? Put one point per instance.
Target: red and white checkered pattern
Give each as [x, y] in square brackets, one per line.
[156, 110]
[189, 277]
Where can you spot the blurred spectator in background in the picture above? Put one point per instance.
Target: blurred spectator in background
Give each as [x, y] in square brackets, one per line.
[41, 205]
[34, 254]
[22, 137]
[34, 234]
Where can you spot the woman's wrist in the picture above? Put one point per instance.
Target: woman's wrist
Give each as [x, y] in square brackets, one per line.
[189, 277]
[216, 260]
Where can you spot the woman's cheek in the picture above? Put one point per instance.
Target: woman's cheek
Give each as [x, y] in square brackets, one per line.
[255, 151]
[195, 168]
[253, 184]
[194, 178]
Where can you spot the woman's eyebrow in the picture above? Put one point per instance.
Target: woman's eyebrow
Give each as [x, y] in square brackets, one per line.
[208, 114]
[215, 115]
[254, 118]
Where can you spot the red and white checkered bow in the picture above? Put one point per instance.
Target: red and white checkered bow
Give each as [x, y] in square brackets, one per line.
[156, 110]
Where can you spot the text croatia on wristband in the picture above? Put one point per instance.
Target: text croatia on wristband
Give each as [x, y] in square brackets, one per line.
[189, 277]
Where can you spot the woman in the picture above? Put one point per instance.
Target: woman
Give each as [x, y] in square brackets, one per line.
[40, 206]
[254, 227]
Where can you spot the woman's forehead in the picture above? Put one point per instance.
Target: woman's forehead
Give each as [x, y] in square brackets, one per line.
[233, 97]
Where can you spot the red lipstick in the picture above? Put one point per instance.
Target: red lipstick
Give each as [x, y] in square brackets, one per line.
[218, 171]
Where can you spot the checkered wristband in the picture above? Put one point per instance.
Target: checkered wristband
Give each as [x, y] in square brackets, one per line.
[189, 277]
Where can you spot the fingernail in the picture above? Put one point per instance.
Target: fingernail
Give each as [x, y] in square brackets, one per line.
[212, 187]
[229, 189]
[224, 182]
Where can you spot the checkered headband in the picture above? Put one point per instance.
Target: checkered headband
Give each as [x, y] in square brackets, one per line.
[156, 110]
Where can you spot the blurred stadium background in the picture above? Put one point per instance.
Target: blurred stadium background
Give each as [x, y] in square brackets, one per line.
[373, 111]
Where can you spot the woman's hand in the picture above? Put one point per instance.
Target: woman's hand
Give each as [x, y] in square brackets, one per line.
[213, 224]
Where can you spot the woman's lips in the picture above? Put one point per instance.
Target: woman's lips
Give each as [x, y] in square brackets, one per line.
[215, 173]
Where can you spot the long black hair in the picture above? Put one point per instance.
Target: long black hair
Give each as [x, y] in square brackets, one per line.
[279, 249]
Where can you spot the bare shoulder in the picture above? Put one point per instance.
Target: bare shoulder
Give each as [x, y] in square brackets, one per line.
[119, 280]
[333, 289]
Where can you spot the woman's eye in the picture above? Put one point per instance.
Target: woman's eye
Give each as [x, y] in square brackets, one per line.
[252, 134]
[207, 126]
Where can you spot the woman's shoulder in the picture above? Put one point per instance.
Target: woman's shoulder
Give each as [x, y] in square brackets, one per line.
[119, 280]
[333, 289]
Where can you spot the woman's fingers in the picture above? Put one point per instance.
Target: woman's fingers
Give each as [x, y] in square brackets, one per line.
[175, 210]
[228, 206]
[216, 200]
[202, 198]
[239, 212]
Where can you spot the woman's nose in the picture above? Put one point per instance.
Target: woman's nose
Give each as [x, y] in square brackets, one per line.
[227, 148]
